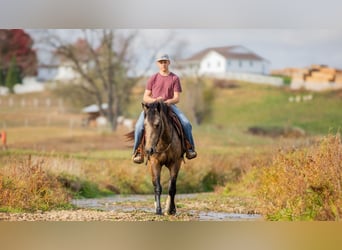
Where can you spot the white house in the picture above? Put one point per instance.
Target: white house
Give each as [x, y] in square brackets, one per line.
[221, 60]
[65, 72]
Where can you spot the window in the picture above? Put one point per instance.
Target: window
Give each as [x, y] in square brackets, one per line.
[251, 63]
[208, 65]
[218, 64]
[240, 64]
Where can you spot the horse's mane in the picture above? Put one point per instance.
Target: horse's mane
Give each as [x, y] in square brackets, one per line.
[162, 107]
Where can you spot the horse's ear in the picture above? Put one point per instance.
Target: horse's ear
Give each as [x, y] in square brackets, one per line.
[144, 106]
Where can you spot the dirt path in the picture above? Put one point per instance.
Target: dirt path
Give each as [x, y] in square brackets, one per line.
[199, 207]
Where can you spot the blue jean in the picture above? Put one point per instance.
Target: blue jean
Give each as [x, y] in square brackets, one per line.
[139, 128]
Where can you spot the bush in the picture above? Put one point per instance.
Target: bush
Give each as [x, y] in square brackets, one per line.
[25, 186]
[304, 184]
[198, 103]
[81, 188]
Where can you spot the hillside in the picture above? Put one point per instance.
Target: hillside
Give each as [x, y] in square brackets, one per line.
[250, 105]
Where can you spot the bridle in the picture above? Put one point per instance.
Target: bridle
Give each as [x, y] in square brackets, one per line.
[154, 147]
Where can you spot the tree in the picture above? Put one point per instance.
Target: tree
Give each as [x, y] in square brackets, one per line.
[2, 76]
[13, 76]
[101, 60]
[16, 43]
[199, 93]
[199, 98]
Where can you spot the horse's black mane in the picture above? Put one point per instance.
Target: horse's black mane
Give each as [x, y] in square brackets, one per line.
[161, 107]
[152, 108]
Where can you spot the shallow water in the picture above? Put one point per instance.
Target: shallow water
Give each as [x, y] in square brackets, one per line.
[219, 216]
[116, 203]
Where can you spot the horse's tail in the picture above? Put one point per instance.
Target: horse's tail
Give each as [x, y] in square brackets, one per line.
[130, 136]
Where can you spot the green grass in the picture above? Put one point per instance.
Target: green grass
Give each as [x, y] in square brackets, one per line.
[269, 106]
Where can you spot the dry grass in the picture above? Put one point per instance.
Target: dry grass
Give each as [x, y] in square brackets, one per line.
[304, 184]
[26, 186]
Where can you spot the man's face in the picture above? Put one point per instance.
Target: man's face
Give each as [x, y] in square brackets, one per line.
[163, 65]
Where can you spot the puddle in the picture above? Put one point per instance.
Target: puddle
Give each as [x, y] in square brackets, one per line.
[113, 203]
[219, 216]
[108, 203]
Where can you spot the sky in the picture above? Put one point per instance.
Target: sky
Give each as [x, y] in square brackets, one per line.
[281, 47]
[288, 33]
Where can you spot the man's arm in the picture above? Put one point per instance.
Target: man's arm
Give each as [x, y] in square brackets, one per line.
[148, 97]
[173, 100]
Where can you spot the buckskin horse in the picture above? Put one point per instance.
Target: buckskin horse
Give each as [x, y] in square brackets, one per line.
[164, 146]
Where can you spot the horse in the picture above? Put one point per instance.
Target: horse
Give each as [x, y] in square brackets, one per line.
[164, 146]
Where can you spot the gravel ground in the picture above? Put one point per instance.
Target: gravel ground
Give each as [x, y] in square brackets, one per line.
[92, 215]
[189, 208]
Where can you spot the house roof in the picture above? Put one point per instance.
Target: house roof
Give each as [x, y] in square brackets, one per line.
[229, 52]
[94, 108]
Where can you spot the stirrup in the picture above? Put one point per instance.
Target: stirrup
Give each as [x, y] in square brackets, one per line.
[190, 154]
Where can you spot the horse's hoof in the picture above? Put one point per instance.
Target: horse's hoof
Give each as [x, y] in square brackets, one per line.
[171, 212]
[159, 212]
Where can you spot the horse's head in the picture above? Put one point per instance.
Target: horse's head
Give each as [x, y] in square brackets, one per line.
[153, 125]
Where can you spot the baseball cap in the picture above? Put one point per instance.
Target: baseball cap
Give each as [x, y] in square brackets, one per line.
[161, 57]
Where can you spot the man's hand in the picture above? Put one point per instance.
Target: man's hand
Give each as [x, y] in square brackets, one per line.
[168, 102]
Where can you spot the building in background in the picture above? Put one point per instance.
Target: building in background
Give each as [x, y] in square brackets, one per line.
[231, 62]
[222, 60]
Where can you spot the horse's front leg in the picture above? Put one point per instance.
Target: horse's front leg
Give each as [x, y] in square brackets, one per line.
[155, 172]
[170, 202]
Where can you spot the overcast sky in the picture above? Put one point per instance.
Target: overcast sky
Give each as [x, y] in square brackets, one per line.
[282, 47]
[288, 33]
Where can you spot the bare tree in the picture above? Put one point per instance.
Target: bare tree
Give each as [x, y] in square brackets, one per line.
[102, 60]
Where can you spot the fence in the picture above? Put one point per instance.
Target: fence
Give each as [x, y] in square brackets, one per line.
[26, 111]
[9, 102]
[254, 78]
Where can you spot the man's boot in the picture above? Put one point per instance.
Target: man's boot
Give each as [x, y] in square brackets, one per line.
[190, 152]
[138, 156]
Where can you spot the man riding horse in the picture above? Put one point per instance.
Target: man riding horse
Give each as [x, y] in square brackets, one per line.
[163, 86]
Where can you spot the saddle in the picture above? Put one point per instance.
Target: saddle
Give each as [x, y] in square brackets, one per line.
[180, 131]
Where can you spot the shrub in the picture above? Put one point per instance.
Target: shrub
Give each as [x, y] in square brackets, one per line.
[304, 184]
[82, 188]
[25, 186]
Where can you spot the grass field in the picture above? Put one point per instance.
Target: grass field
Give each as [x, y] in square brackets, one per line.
[44, 122]
[46, 127]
